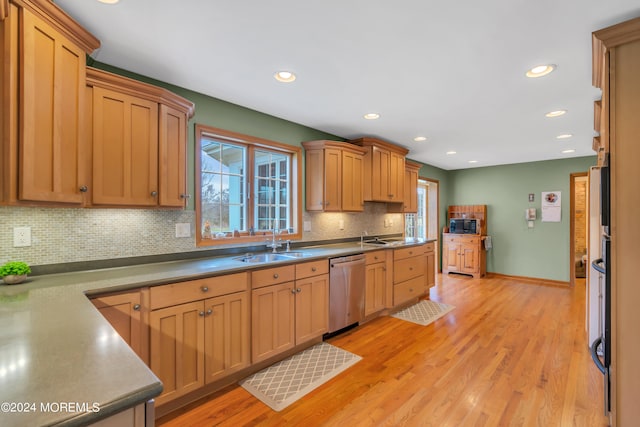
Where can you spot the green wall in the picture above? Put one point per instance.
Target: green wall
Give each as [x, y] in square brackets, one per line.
[541, 252]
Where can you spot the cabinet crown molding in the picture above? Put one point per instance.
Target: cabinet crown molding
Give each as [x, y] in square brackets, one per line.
[107, 80]
[374, 142]
[325, 143]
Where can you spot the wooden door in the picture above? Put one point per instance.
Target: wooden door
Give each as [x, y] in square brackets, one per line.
[272, 320]
[52, 89]
[172, 150]
[125, 149]
[380, 164]
[352, 182]
[332, 180]
[451, 256]
[312, 307]
[314, 176]
[177, 349]
[124, 313]
[226, 342]
[469, 257]
[430, 268]
[375, 289]
[411, 190]
[396, 177]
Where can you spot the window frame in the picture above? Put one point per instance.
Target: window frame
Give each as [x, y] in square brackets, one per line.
[251, 143]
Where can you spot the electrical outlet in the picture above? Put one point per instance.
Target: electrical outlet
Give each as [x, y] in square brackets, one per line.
[21, 237]
[306, 226]
[183, 229]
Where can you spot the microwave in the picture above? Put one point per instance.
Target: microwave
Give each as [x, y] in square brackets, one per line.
[463, 226]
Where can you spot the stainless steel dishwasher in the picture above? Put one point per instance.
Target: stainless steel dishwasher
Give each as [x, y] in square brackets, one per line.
[346, 291]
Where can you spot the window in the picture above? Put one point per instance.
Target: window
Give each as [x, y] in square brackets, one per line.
[246, 187]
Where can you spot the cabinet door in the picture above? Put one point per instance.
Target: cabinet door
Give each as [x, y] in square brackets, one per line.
[352, 182]
[396, 177]
[52, 114]
[312, 307]
[431, 268]
[314, 185]
[177, 349]
[226, 327]
[124, 312]
[272, 320]
[172, 167]
[469, 257]
[332, 180]
[375, 288]
[411, 191]
[125, 149]
[451, 257]
[380, 164]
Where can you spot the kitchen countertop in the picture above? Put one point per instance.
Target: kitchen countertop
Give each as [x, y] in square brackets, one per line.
[61, 362]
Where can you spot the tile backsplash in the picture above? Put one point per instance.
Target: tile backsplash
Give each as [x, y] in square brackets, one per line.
[64, 235]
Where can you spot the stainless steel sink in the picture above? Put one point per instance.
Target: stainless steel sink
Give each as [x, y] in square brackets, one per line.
[269, 257]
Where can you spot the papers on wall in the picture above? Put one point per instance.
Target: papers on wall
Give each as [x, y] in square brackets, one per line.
[551, 206]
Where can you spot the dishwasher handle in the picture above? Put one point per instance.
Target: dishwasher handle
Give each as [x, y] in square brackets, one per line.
[347, 261]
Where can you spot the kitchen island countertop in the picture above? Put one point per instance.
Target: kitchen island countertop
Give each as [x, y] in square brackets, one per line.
[61, 362]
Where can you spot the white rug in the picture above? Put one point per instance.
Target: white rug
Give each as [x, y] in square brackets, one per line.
[279, 385]
[424, 312]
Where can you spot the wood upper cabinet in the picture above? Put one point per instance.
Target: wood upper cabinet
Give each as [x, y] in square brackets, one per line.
[139, 135]
[334, 176]
[43, 113]
[411, 174]
[127, 314]
[384, 170]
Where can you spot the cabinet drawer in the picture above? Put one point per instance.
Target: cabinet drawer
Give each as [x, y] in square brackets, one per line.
[405, 291]
[429, 247]
[408, 252]
[271, 276]
[313, 268]
[408, 268]
[375, 257]
[193, 290]
[461, 238]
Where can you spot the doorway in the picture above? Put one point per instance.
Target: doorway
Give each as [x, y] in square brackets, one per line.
[579, 225]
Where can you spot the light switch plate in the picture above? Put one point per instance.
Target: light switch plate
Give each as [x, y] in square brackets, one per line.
[183, 229]
[21, 237]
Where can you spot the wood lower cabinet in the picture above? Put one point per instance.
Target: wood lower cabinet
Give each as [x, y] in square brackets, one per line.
[285, 314]
[127, 314]
[375, 282]
[463, 254]
[203, 337]
[409, 279]
[43, 116]
[430, 264]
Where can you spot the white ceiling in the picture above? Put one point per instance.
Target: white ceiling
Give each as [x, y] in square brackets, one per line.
[451, 71]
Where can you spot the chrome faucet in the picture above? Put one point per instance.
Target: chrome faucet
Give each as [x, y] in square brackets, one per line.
[364, 233]
[274, 244]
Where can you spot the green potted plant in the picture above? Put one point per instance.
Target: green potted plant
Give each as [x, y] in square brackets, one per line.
[14, 272]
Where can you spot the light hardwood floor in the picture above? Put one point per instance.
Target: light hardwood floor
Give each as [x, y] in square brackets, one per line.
[510, 354]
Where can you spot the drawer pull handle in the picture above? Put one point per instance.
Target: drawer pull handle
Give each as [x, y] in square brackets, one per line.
[275, 275]
[205, 289]
[313, 269]
[136, 307]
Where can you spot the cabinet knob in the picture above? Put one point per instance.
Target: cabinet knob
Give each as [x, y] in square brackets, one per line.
[136, 307]
[154, 193]
[293, 291]
[185, 196]
[384, 268]
[210, 311]
[275, 275]
[201, 313]
[204, 288]
[375, 258]
[84, 189]
[410, 289]
[298, 290]
[410, 268]
[313, 269]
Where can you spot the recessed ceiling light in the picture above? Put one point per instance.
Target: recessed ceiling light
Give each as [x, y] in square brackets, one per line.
[540, 70]
[284, 76]
[371, 116]
[420, 138]
[568, 151]
[451, 152]
[473, 161]
[556, 113]
[109, 1]
[564, 136]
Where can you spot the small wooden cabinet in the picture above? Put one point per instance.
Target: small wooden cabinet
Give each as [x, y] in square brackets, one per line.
[430, 264]
[375, 282]
[409, 281]
[384, 170]
[334, 176]
[199, 332]
[463, 254]
[139, 135]
[127, 313]
[411, 174]
[43, 117]
[290, 305]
